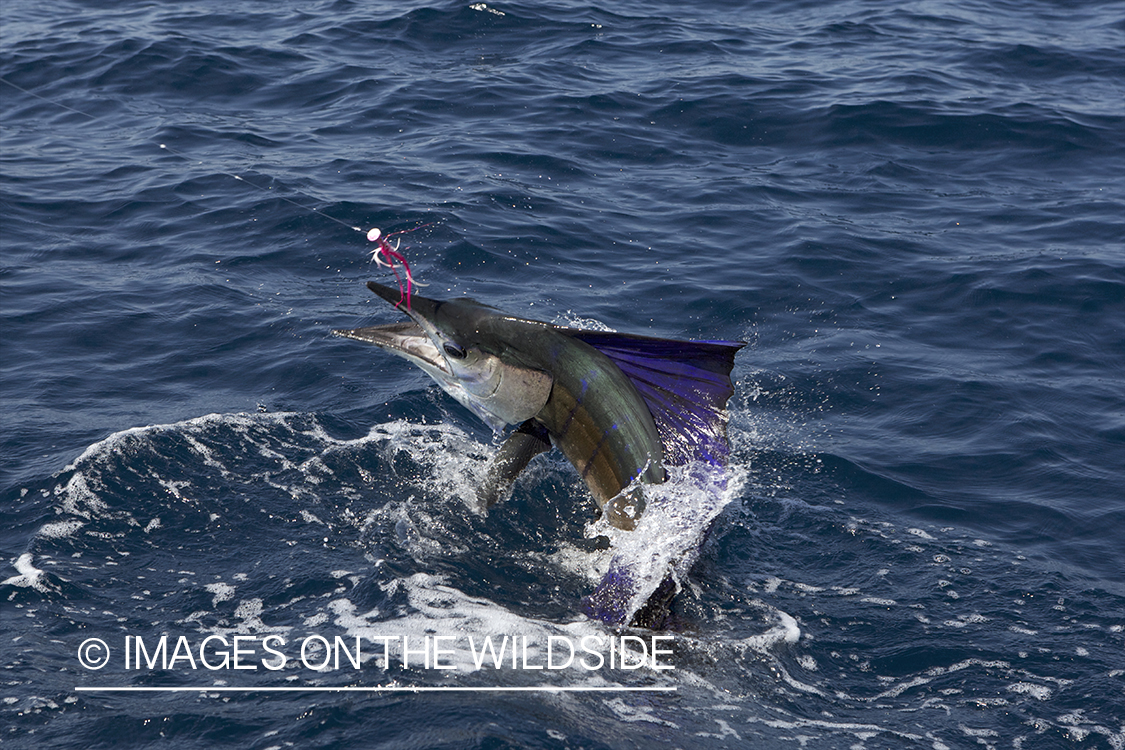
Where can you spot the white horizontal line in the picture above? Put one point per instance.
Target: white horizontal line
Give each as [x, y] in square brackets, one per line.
[389, 689]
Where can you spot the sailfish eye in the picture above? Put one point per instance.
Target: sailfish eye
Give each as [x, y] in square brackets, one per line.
[454, 351]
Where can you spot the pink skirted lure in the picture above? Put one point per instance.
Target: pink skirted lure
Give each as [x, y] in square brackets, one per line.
[386, 254]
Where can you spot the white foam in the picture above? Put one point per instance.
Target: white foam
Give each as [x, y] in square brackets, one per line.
[29, 575]
[806, 588]
[861, 731]
[435, 608]
[249, 611]
[79, 499]
[725, 731]
[668, 536]
[785, 630]
[455, 461]
[635, 713]
[222, 592]
[807, 662]
[1039, 692]
[310, 517]
[570, 319]
[175, 489]
[482, 7]
[591, 565]
[59, 529]
[880, 602]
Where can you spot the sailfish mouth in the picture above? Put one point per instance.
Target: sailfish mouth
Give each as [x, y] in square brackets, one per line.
[409, 339]
[405, 339]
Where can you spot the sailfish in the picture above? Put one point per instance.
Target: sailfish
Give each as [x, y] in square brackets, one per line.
[620, 407]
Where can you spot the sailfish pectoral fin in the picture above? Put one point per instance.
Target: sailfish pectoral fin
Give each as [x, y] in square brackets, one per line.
[527, 442]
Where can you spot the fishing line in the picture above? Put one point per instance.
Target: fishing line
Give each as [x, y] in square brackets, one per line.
[392, 254]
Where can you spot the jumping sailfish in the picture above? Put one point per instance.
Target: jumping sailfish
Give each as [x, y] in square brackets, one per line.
[620, 407]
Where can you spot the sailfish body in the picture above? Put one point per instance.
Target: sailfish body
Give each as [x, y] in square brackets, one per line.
[619, 407]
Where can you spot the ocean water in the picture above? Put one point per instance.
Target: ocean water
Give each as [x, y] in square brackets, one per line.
[914, 215]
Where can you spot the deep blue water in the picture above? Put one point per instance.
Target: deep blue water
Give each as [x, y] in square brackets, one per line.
[913, 214]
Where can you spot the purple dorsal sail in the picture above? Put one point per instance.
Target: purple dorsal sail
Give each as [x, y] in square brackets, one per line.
[686, 385]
